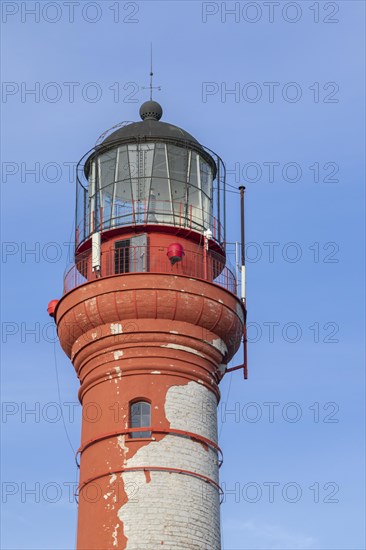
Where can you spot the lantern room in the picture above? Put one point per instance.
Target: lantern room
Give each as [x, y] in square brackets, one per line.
[144, 188]
[150, 173]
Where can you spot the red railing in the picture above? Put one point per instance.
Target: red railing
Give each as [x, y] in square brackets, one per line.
[146, 259]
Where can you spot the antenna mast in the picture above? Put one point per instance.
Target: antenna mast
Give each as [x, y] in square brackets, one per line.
[151, 87]
[151, 71]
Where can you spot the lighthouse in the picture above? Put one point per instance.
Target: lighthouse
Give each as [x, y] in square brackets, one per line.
[150, 317]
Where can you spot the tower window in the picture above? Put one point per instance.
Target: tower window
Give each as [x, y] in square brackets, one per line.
[130, 255]
[140, 417]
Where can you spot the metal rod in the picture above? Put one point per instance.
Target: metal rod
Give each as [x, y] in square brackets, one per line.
[243, 274]
[205, 246]
[224, 188]
[86, 223]
[237, 265]
[151, 71]
[76, 208]
[231, 369]
[245, 347]
[218, 199]
[243, 281]
[242, 189]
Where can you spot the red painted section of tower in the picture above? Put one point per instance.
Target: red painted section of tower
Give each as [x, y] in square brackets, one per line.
[153, 313]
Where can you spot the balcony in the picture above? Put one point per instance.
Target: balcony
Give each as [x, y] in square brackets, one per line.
[209, 266]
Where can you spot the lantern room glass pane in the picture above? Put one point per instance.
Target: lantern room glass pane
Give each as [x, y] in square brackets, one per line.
[160, 206]
[178, 168]
[206, 178]
[133, 163]
[193, 181]
[178, 171]
[107, 199]
[123, 166]
[146, 156]
[147, 152]
[206, 186]
[122, 201]
[194, 194]
[107, 165]
[82, 208]
[91, 193]
[145, 163]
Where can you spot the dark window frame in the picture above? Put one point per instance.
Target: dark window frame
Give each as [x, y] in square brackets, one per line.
[137, 418]
[122, 256]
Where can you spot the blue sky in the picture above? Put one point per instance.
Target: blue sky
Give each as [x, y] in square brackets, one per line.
[311, 367]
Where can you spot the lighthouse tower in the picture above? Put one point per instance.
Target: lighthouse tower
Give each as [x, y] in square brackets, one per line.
[149, 318]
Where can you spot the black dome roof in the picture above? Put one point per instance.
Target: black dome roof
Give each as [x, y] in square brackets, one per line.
[149, 128]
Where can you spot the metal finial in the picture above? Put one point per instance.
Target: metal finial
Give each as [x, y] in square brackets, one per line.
[151, 87]
[151, 72]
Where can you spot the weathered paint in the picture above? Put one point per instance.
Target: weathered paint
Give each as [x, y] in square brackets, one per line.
[116, 328]
[220, 345]
[182, 348]
[147, 324]
[185, 409]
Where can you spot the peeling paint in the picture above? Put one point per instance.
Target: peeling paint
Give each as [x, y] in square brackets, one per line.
[115, 535]
[150, 488]
[155, 372]
[222, 368]
[94, 335]
[173, 332]
[117, 354]
[239, 311]
[122, 443]
[220, 345]
[183, 348]
[116, 328]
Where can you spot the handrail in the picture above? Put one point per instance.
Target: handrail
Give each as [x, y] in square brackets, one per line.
[151, 259]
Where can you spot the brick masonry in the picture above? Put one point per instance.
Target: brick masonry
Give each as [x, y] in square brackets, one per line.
[171, 510]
